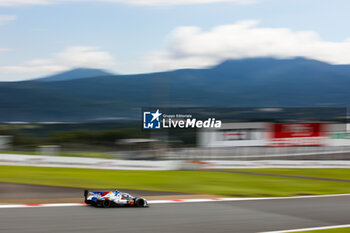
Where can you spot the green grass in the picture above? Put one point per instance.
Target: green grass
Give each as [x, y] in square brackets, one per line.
[337, 230]
[226, 184]
[336, 173]
[20, 152]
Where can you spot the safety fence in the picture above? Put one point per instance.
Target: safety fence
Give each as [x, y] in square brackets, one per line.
[73, 162]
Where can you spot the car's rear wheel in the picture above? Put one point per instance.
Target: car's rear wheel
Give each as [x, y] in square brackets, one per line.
[106, 203]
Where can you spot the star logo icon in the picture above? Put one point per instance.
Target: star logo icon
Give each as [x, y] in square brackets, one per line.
[156, 115]
[151, 119]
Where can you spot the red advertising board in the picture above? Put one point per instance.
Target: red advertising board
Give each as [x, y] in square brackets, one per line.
[297, 134]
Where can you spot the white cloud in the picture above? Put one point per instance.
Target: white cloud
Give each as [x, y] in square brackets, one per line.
[71, 57]
[6, 18]
[190, 47]
[84, 56]
[24, 2]
[130, 2]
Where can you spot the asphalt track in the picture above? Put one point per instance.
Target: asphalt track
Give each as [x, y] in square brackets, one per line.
[227, 216]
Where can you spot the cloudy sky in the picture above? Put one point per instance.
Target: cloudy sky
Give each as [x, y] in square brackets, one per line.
[42, 37]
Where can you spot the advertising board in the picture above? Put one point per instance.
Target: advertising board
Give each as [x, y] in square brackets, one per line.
[297, 134]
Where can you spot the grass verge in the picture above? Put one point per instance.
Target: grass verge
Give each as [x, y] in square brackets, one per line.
[226, 184]
[337, 230]
[336, 173]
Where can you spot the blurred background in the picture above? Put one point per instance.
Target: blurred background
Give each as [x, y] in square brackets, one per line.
[245, 134]
[75, 76]
[73, 86]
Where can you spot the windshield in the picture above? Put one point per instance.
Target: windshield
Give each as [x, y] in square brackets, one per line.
[126, 195]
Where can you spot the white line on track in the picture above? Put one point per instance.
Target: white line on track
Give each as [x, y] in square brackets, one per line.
[310, 229]
[5, 206]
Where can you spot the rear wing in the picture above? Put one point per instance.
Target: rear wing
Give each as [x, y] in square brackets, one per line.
[86, 192]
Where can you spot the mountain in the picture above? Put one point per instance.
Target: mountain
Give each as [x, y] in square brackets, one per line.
[75, 74]
[254, 82]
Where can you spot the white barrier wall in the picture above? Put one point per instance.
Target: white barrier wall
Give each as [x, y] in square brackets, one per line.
[222, 164]
[78, 162]
[70, 162]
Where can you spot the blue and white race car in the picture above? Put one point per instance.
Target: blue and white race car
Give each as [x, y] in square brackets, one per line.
[116, 198]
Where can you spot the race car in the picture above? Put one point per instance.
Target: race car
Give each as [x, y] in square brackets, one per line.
[115, 198]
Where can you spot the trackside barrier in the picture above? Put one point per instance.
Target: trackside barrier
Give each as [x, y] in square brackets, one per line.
[251, 153]
[229, 164]
[79, 162]
[74, 162]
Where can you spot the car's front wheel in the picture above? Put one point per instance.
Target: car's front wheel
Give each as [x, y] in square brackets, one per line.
[140, 202]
